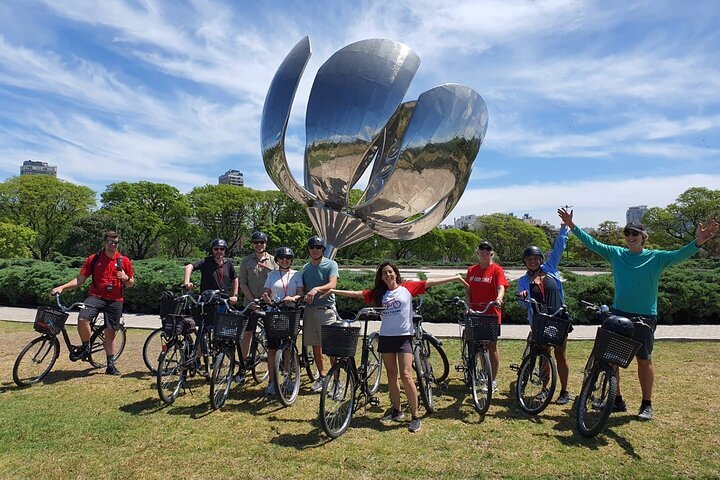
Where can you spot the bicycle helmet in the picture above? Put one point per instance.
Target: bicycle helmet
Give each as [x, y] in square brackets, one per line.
[532, 250]
[316, 241]
[218, 242]
[258, 237]
[284, 252]
[620, 325]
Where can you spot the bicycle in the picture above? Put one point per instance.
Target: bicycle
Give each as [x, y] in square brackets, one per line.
[477, 330]
[610, 351]
[347, 386]
[38, 357]
[284, 324]
[423, 360]
[537, 373]
[156, 341]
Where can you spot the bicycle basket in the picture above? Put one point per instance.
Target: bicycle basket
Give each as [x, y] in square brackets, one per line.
[282, 324]
[339, 341]
[481, 328]
[49, 320]
[550, 330]
[170, 305]
[614, 349]
[229, 325]
[177, 325]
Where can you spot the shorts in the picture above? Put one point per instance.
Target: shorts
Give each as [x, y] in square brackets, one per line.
[313, 319]
[111, 308]
[395, 344]
[644, 335]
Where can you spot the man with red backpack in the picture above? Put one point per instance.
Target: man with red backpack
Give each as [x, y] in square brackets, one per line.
[111, 272]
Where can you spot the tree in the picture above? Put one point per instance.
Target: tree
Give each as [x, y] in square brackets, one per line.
[14, 240]
[610, 233]
[85, 235]
[142, 212]
[509, 235]
[292, 234]
[460, 245]
[46, 205]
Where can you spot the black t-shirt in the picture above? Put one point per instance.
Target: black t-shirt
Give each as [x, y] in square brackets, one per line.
[214, 276]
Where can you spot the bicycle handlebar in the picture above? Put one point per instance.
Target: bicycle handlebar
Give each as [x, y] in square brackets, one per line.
[604, 310]
[459, 302]
[64, 308]
[535, 304]
[366, 312]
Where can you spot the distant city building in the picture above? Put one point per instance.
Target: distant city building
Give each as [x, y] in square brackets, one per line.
[232, 177]
[465, 221]
[30, 167]
[635, 214]
[532, 221]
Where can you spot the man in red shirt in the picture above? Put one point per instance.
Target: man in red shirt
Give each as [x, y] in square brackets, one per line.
[111, 272]
[487, 284]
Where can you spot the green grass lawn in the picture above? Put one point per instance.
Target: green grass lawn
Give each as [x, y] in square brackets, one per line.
[83, 424]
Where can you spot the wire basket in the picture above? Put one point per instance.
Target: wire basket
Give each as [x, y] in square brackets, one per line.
[614, 349]
[481, 328]
[177, 325]
[49, 320]
[282, 324]
[170, 304]
[229, 325]
[550, 330]
[339, 341]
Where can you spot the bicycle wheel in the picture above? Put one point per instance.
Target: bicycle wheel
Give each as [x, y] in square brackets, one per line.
[536, 382]
[259, 357]
[337, 400]
[35, 360]
[373, 369]
[481, 380]
[422, 367]
[309, 361]
[97, 357]
[438, 357]
[152, 348]
[171, 371]
[287, 373]
[222, 377]
[596, 400]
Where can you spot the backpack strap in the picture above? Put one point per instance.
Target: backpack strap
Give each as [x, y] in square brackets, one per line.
[93, 262]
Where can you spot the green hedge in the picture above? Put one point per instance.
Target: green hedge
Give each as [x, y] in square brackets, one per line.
[687, 294]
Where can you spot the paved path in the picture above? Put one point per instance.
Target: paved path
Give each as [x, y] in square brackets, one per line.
[446, 330]
[412, 273]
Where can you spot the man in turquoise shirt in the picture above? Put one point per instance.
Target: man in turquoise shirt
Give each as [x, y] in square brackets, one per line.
[636, 273]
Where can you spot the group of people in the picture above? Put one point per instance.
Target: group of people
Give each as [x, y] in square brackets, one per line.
[636, 273]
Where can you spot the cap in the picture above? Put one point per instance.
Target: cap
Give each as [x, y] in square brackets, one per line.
[638, 227]
[485, 243]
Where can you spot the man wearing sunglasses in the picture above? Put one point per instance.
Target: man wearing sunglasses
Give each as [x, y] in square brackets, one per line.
[636, 274]
[216, 271]
[111, 272]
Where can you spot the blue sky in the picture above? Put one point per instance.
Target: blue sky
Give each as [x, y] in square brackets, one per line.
[597, 104]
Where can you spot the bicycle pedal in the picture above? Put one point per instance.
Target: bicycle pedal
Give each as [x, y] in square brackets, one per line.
[459, 368]
[374, 401]
[514, 367]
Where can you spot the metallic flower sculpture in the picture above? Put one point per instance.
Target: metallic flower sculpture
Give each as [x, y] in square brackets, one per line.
[421, 151]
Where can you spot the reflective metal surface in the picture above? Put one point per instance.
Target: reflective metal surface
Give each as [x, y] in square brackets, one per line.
[421, 151]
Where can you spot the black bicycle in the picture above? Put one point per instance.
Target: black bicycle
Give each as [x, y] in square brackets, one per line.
[348, 386]
[38, 357]
[477, 330]
[156, 341]
[283, 323]
[610, 351]
[428, 357]
[537, 373]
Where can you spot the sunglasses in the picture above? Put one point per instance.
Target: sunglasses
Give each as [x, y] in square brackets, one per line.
[218, 249]
[284, 257]
[487, 249]
[258, 243]
[112, 242]
[631, 233]
[316, 247]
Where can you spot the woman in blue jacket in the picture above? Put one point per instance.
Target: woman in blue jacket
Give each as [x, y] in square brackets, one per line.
[542, 283]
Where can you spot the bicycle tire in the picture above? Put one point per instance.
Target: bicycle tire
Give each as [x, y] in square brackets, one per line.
[171, 371]
[534, 390]
[287, 374]
[373, 369]
[481, 379]
[221, 378]
[152, 348]
[39, 350]
[97, 357]
[309, 361]
[439, 359]
[596, 400]
[259, 357]
[337, 400]
[420, 362]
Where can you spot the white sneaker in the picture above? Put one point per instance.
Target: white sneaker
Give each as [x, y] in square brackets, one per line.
[317, 386]
[484, 389]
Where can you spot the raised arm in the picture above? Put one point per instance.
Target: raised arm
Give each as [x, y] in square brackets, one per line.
[555, 256]
[431, 282]
[346, 293]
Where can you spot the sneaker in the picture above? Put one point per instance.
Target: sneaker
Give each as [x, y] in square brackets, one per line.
[239, 379]
[111, 370]
[393, 416]
[542, 396]
[495, 387]
[645, 413]
[563, 398]
[414, 425]
[620, 406]
[270, 390]
[317, 386]
[79, 354]
[484, 389]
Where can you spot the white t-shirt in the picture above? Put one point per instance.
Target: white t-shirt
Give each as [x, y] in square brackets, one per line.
[283, 284]
[398, 314]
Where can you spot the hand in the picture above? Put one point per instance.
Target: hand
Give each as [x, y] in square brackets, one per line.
[233, 300]
[310, 295]
[703, 234]
[288, 299]
[122, 276]
[462, 280]
[57, 290]
[523, 294]
[189, 285]
[566, 217]
[498, 302]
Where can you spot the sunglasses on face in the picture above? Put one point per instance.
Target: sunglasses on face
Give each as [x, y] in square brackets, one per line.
[112, 242]
[218, 249]
[315, 247]
[631, 233]
[284, 257]
[258, 243]
[487, 249]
